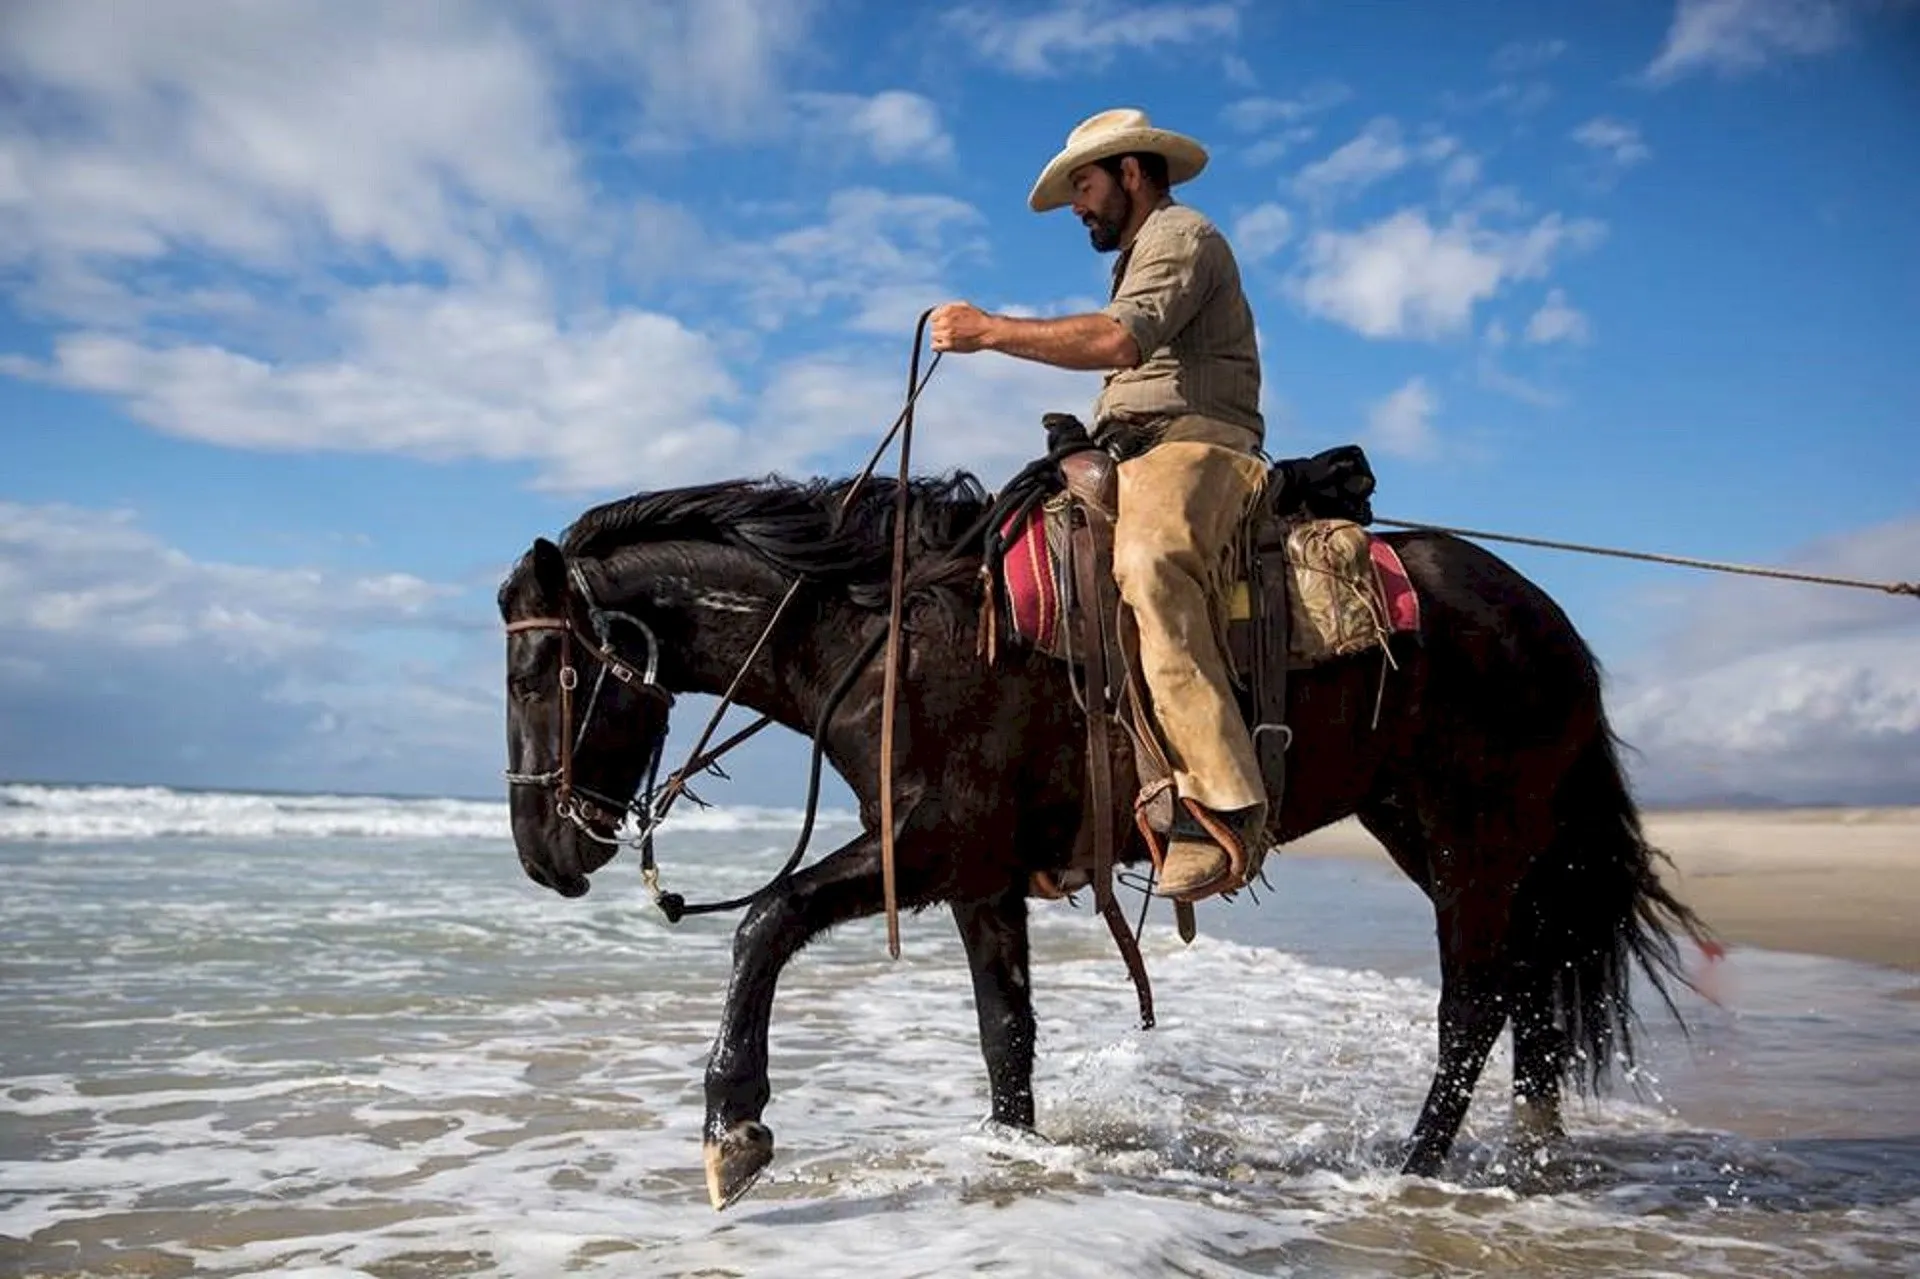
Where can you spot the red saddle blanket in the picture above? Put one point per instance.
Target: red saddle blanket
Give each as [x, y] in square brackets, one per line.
[1030, 576]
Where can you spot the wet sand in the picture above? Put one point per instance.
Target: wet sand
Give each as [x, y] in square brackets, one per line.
[1839, 882]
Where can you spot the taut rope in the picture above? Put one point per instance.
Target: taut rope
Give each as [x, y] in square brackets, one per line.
[1749, 570]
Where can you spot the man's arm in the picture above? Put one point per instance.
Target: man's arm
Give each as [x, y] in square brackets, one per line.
[1092, 341]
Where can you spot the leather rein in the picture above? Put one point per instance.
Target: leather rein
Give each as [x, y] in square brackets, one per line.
[578, 806]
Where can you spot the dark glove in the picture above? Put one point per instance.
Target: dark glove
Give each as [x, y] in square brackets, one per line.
[1065, 430]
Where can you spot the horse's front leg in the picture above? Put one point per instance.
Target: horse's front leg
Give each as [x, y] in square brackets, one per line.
[995, 933]
[841, 886]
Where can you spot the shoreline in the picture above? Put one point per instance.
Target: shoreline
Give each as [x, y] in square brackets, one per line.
[1839, 882]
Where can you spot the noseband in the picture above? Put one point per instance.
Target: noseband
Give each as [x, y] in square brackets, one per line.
[574, 803]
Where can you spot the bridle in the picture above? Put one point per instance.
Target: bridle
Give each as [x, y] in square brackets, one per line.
[574, 803]
[652, 802]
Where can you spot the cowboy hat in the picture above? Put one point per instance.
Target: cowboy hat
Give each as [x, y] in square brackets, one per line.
[1116, 132]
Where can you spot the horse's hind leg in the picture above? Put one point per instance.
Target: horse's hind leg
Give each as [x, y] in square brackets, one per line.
[1471, 907]
[1527, 994]
[995, 933]
[1539, 1042]
[1473, 994]
[1475, 883]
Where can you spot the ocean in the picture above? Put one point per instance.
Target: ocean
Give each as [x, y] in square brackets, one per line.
[339, 1036]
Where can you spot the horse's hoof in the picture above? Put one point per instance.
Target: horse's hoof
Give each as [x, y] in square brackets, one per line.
[1422, 1161]
[1537, 1123]
[735, 1162]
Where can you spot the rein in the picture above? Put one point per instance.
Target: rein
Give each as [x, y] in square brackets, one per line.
[1018, 495]
[651, 806]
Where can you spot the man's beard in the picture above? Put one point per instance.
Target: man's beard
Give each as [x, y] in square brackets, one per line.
[1106, 227]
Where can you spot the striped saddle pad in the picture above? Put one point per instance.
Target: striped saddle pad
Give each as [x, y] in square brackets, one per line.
[1349, 590]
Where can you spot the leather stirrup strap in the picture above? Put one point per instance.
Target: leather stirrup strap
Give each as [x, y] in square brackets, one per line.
[1129, 947]
[1099, 748]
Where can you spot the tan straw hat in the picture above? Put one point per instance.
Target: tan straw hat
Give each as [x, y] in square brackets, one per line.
[1111, 133]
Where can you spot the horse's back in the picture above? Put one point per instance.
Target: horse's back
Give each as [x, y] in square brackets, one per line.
[1501, 652]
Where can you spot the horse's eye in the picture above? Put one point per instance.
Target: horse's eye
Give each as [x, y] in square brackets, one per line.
[521, 688]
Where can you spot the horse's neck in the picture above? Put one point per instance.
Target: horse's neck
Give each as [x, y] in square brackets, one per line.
[723, 600]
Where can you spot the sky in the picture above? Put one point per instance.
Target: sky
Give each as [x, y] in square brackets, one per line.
[314, 314]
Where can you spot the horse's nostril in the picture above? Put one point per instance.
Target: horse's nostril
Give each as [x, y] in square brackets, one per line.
[534, 873]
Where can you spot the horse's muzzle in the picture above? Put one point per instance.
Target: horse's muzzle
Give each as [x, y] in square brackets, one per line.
[565, 885]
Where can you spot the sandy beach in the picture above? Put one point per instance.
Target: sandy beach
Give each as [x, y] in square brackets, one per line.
[1840, 882]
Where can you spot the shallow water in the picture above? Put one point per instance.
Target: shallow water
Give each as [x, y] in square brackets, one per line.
[362, 1048]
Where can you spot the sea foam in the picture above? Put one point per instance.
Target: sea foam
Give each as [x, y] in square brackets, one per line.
[116, 813]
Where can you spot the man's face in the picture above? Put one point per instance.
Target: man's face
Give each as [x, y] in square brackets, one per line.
[1102, 204]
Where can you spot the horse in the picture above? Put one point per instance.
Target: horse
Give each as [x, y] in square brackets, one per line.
[1484, 764]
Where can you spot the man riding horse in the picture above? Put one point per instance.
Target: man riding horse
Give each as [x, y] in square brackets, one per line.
[1180, 408]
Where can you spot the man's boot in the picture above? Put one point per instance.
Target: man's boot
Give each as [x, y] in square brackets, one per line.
[1204, 849]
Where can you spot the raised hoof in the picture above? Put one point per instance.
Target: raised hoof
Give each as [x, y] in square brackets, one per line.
[736, 1161]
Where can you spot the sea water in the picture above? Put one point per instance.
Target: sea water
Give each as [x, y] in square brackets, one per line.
[333, 1036]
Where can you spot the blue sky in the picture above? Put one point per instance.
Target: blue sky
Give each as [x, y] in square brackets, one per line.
[315, 314]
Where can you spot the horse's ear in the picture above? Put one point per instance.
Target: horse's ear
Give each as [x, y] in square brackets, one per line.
[549, 570]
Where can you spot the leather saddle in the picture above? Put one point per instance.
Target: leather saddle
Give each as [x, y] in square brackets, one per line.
[1305, 592]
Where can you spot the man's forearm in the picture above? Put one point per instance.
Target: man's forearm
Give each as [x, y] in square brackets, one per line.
[1092, 341]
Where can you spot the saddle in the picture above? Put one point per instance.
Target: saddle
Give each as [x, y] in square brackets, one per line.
[1311, 586]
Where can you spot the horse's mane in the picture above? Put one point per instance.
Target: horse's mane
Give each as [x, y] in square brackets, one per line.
[799, 528]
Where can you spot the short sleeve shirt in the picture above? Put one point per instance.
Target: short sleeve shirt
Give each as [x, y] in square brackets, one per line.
[1177, 291]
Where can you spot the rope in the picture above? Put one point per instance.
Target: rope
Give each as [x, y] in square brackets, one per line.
[1749, 570]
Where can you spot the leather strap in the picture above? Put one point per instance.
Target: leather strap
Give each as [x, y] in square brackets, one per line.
[1099, 746]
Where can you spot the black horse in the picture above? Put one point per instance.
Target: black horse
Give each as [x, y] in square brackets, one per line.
[1488, 772]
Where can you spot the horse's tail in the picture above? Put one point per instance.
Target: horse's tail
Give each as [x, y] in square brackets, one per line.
[1596, 908]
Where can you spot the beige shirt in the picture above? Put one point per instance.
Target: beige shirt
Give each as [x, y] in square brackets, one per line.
[1177, 291]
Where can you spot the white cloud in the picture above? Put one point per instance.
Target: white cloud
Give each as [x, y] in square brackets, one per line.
[878, 255]
[1615, 140]
[621, 398]
[130, 660]
[980, 413]
[1401, 425]
[1254, 114]
[701, 69]
[1499, 202]
[261, 133]
[594, 398]
[1489, 373]
[1377, 152]
[1262, 231]
[253, 148]
[1405, 277]
[1556, 321]
[66, 571]
[893, 127]
[1797, 692]
[1523, 56]
[881, 253]
[1277, 146]
[1461, 174]
[1732, 37]
[1087, 33]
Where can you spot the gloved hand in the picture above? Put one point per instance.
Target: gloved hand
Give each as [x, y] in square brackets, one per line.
[1065, 429]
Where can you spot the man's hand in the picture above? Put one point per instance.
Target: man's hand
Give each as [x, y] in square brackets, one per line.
[1094, 341]
[960, 327]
